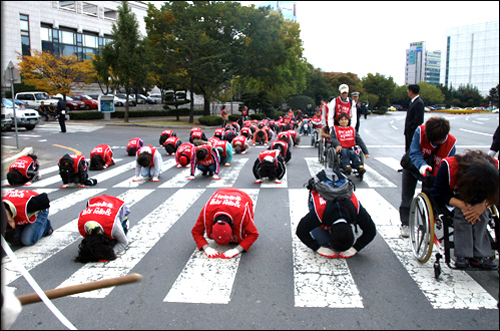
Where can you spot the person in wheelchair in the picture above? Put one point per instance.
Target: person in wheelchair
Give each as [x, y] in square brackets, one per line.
[431, 141]
[468, 183]
[344, 138]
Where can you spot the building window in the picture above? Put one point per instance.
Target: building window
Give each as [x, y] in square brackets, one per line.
[25, 35]
[111, 14]
[89, 9]
[67, 5]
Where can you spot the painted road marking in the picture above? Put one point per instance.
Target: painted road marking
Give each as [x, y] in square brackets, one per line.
[32, 256]
[130, 184]
[142, 237]
[200, 281]
[390, 162]
[318, 281]
[229, 174]
[455, 289]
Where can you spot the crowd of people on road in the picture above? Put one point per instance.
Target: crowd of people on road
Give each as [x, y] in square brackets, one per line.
[467, 183]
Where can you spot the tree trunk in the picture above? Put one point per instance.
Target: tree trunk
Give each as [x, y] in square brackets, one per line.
[126, 109]
[191, 111]
[206, 106]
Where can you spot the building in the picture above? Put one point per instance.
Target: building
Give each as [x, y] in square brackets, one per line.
[422, 65]
[287, 8]
[62, 27]
[472, 54]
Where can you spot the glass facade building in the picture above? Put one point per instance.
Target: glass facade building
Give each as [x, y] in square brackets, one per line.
[287, 8]
[472, 56]
[422, 65]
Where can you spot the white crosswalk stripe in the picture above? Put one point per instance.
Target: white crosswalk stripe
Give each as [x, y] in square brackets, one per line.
[70, 127]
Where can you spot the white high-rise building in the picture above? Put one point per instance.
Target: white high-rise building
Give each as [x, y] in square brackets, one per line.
[422, 65]
[472, 56]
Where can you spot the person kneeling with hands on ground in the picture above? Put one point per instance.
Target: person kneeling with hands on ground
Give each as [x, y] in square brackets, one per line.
[24, 170]
[226, 218]
[148, 164]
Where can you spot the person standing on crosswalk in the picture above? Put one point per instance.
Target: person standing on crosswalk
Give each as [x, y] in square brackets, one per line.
[148, 164]
[226, 218]
[27, 216]
[327, 229]
[104, 225]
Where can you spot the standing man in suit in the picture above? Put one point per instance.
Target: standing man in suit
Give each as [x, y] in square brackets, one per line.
[414, 115]
[61, 114]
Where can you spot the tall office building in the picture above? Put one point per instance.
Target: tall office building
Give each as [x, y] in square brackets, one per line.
[472, 53]
[287, 8]
[422, 65]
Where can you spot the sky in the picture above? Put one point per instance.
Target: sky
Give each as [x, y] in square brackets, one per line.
[372, 36]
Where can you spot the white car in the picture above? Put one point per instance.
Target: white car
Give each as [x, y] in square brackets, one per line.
[156, 97]
[27, 118]
[34, 99]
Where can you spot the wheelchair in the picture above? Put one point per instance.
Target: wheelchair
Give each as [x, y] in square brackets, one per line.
[315, 137]
[334, 160]
[431, 228]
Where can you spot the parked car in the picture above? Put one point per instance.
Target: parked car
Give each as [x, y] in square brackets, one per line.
[456, 108]
[131, 101]
[144, 99]
[27, 118]
[34, 99]
[398, 107]
[139, 100]
[89, 102]
[70, 103]
[156, 97]
[479, 108]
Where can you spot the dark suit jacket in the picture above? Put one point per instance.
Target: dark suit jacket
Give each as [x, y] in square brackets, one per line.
[414, 117]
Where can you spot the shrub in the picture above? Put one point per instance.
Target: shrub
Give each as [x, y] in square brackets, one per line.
[210, 120]
[234, 117]
[278, 114]
[381, 110]
[258, 116]
[86, 115]
[300, 102]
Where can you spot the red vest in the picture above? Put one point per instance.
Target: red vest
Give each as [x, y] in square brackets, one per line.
[208, 160]
[320, 204]
[241, 139]
[342, 107]
[196, 135]
[167, 133]
[103, 210]
[20, 199]
[23, 164]
[282, 143]
[171, 140]
[150, 149]
[135, 143]
[293, 134]
[222, 144]
[219, 131]
[104, 151]
[316, 120]
[346, 136]
[443, 151]
[213, 140]
[272, 153]
[76, 160]
[244, 112]
[325, 112]
[186, 149]
[453, 169]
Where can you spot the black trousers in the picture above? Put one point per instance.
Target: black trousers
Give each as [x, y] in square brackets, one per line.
[407, 193]
[62, 123]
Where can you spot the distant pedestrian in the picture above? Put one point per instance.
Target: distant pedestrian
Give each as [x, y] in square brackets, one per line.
[355, 98]
[224, 115]
[414, 115]
[244, 113]
[61, 114]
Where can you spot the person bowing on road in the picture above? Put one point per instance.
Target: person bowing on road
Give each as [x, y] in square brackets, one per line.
[24, 170]
[101, 157]
[148, 164]
[226, 218]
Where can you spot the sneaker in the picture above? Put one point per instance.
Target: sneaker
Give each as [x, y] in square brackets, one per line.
[347, 169]
[462, 263]
[50, 232]
[277, 181]
[483, 263]
[361, 170]
[405, 231]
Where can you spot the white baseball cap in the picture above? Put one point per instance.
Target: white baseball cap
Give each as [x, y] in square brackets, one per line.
[344, 88]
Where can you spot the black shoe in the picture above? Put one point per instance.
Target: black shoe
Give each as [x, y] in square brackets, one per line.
[483, 263]
[210, 174]
[204, 173]
[49, 233]
[462, 263]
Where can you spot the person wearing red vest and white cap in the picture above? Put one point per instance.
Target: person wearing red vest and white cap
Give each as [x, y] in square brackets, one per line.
[148, 164]
[342, 104]
[104, 226]
[226, 218]
[24, 170]
[269, 164]
[327, 230]
[27, 216]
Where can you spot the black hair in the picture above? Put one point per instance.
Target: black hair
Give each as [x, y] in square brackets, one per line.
[237, 149]
[132, 151]
[201, 153]
[144, 159]
[414, 88]
[96, 162]
[267, 169]
[14, 177]
[223, 218]
[437, 129]
[341, 236]
[260, 134]
[169, 148]
[342, 115]
[96, 246]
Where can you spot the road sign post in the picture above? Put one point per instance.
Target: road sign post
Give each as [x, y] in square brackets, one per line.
[12, 75]
[106, 105]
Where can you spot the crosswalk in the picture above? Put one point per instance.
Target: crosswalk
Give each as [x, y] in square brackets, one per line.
[317, 281]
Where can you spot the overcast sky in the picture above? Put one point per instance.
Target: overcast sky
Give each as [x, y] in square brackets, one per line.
[372, 36]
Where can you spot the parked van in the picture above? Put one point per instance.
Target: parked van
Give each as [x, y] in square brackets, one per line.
[34, 99]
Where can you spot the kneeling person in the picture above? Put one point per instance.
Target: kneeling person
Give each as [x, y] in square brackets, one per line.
[270, 165]
[24, 170]
[226, 218]
[101, 157]
[148, 164]
[74, 169]
[104, 226]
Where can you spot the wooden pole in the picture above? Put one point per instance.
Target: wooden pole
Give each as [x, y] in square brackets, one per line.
[85, 287]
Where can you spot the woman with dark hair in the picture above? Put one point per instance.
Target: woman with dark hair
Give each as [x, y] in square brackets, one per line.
[133, 146]
[269, 165]
[148, 164]
[468, 185]
[24, 170]
[101, 157]
[171, 144]
[104, 226]
[207, 159]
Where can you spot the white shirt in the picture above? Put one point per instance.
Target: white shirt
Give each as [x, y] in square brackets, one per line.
[331, 113]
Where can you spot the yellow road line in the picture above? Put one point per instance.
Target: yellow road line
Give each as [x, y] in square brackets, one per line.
[77, 152]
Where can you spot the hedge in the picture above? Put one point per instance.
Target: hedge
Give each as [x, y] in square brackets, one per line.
[210, 120]
[93, 115]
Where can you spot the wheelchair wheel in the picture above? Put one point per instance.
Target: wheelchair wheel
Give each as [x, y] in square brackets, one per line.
[331, 156]
[314, 138]
[421, 227]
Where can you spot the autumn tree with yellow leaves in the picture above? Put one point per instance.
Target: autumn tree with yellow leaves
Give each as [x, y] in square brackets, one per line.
[54, 73]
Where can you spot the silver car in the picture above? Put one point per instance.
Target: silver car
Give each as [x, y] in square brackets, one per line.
[27, 118]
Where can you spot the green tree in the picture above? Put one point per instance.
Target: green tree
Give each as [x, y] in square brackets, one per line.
[468, 92]
[317, 87]
[336, 79]
[430, 94]
[380, 86]
[493, 96]
[125, 53]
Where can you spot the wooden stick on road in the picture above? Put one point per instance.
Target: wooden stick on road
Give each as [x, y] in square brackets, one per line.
[85, 287]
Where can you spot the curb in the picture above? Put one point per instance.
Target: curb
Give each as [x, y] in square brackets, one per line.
[25, 151]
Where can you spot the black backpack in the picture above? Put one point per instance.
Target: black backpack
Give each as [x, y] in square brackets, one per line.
[332, 185]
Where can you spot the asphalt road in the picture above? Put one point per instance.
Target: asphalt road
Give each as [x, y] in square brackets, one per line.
[279, 283]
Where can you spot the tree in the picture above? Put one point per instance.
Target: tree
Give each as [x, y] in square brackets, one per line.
[493, 96]
[317, 86]
[335, 79]
[53, 73]
[431, 94]
[379, 85]
[124, 54]
[467, 92]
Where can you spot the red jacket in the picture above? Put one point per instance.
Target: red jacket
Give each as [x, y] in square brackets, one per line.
[235, 204]
[103, 210]
[346, 136]
[443, 151]
[23, 164]
[19, 199]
